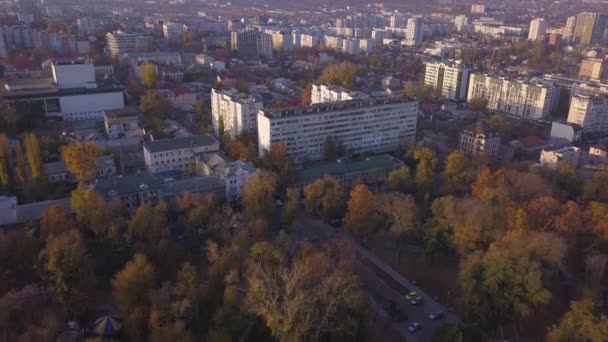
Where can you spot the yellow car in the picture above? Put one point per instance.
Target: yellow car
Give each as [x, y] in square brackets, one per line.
[411, 295]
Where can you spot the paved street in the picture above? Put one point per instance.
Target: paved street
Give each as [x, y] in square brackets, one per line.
[381, 282]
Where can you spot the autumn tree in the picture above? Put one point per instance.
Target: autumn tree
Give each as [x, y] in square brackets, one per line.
[478, 104]
[292, 205]
[203, 116]
[21, 166]
[148, 74]
[596, 189]
[580, 324]
[131, 288]
[149, 224]
[361, 216]
[196, 210]
[568, 181]
[258, 196]
[343, 74]
[315, 297]
[80, 159]
[305, 97]
[400, 180]
[8, 116]
[69, 270]
[425, 169]
[323, 197]
[596, 215]
[32, 152]
[457, 172]
[90, 209]
[6, 176]
[399, 215]
[55, 221]
[277, 160]
[154, 106]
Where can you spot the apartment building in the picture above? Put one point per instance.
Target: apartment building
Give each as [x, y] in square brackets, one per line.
[309, 40]
[593, 68]
[120, 42]
[251, 43]
[173, 31]
[480, 139]
[168, 157]
[361, 126]
[589, 109]
[237, 111]
[415, 30]
[533, 99]
[538, 27]
[333, 42]
[121, 123]
[590, 28]
[452, 77]
[324, 93]
[281, 40]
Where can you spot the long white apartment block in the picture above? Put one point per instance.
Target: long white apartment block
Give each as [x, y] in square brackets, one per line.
[324, 93]
[589, 109]
[373, 125]
[237, 111]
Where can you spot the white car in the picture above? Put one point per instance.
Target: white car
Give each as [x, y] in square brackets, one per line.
[414, 327]
[417, 300]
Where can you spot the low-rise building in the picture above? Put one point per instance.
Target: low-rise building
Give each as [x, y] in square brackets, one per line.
[593, 68]
[552, 157]
[598, 150]
[168, 157]
[480, 139]
[121, 123]
[132, 191]
[567, 131]
[58, 171]
[235, 175]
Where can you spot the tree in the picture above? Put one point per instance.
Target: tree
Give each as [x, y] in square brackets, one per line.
[360, 217]
[425, 169]
[315, 297]
[202, 114]
[21, 166]
[69, 270]
[305, 98]
[154, 106]
[8, 117]
[55, 221]
[596, 214]
[6, 176]
[343, 74]
[32, 152]
[149, 224]
[258, 196]
[399, 215]
[280, 162]
[292, 205]
[131, 288]
[323, 197]
[478, 104]
[568, 181]
[457, 172]
[80, 159]
[330, 149]
[400, 180]
[148, 75]
[197, 209]
[596, 189]
[90, 209]
[580, 324]
[409, 90]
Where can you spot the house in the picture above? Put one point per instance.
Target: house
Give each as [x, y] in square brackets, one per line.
[171, 157]
[552, 158]
[121, 123]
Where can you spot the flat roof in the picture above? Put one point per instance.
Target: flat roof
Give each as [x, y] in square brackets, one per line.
[102, 87]
[180, 143]
[326, 107]
[124, 112]
[122, 185]
[383, 161]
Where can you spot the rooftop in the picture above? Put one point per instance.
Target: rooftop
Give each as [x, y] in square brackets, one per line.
[326, 107]
[202, 183]
[124, 112]
[382, 161]
[124, 185]
[180, 143]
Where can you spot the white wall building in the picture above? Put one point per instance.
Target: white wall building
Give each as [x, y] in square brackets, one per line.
[351, 46]
[327, 93]
[174, 156]
[333, 42]
[237, 111]
[462, 23]
[538, 27]
[551, 158]
[309, 40]
[375, 125]
[529, 100]
[452, 77]
[414, 31]
[590, 111]
[120, 42]
[173, 31]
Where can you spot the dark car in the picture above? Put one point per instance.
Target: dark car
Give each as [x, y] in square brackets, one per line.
[436, 315]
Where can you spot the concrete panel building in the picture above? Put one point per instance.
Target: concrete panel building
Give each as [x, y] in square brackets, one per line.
[452, 77]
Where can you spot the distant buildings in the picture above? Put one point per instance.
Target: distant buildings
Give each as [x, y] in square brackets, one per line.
[375, 125]
[169, 157]
[451, 77]
[251, 43]
[461, 22]
[238, 112]
[593, 68]
[590, 28]
[324, 93]
[414, 31]
[478, 9]
[527, 99]
[480, 139]
[173, 31]
[538, 27]
[551, 158]
[120, 42]
[569, 28]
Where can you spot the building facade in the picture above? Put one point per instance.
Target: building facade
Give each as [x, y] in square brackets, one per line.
[538, 27]
[120, 42]
[480, 139]
[590, 28]
[168, 157]
[325, 93]
[362, 126]
[452, 77]
[593, 68]
[237, 111]
[251, 43]
[534, 99]
[552, 158]
[590, 111]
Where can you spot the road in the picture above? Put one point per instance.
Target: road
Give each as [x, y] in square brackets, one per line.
[382, 283]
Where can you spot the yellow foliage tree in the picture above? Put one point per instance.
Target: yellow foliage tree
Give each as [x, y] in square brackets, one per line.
[148, 75]
[80, 158]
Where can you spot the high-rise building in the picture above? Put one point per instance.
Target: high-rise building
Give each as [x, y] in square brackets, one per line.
[281, 40]
[238, 112]
[173, 31]
[478, 9]
[375, 125]
[397, 20]
[120, 42]
[22, 36]
[535, 99]
[3, 45]
[309, 40]
[28, 11]
[593, 68]
[590, 111]
[351, 46]
[333, 42]
[590, 28]
[326, 93]
[569, 28]
[452, 77]
[538, 27]
[414, 32]
[251, 43]
[461, 22]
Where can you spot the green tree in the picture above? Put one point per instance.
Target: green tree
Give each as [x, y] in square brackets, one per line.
[32, 152]
[154, 106]
[457, 172]
[568, 181]
[148, 75]
[6, 176]
[478, 104]
[80, 159]
[202, 115]
[580, 324]
[323, 197]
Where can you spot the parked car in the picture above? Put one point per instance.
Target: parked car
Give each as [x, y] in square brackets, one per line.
[414, 327]
[411, 295]
[417, 300]
[436, 315]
